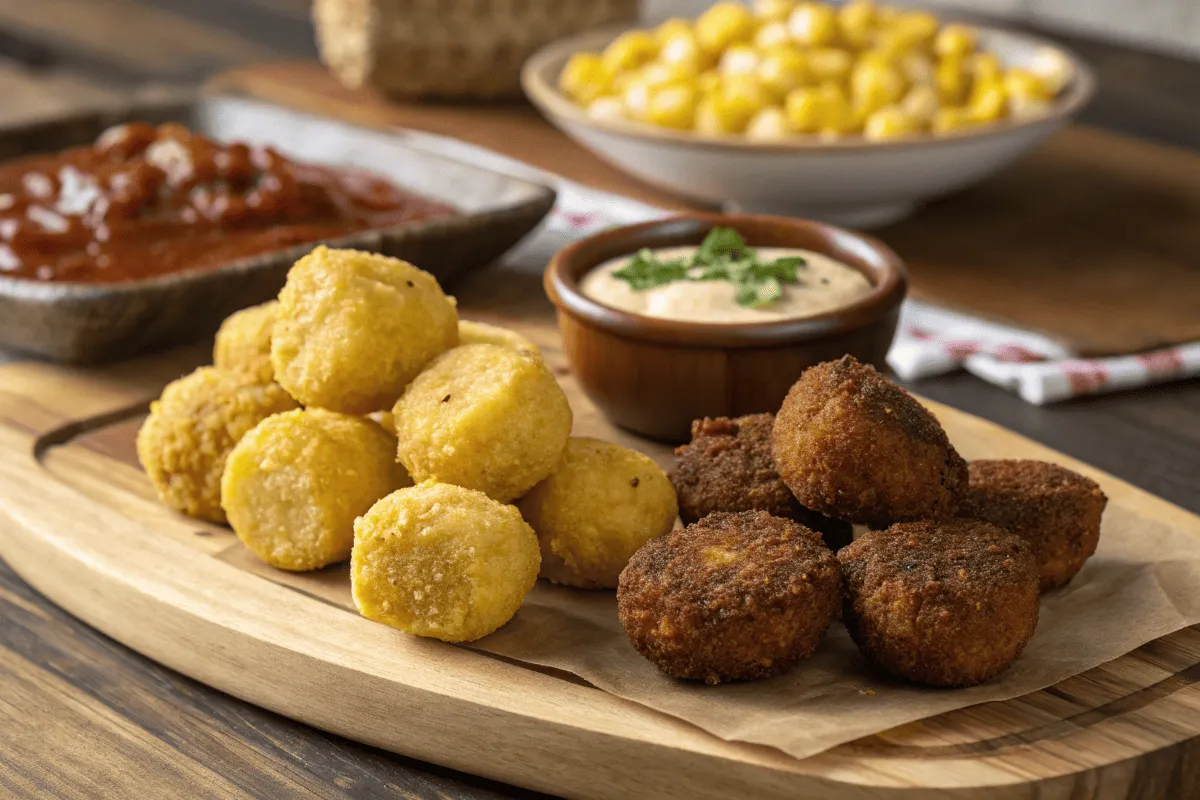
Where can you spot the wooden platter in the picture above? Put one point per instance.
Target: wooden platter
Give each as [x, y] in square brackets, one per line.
[78, 521]
[1076, 241]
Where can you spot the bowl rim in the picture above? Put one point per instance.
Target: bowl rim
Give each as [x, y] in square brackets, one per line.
[875, 260]
[545, 95]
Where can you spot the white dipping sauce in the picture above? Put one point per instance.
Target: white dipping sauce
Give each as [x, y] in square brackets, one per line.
[825, 284]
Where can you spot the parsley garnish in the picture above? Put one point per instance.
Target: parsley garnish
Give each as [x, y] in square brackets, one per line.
[722, 256]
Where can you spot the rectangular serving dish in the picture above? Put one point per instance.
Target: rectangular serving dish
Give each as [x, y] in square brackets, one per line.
[84, 323]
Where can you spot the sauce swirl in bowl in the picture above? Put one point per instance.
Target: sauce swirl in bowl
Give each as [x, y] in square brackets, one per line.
[145, 201]
[824, 284]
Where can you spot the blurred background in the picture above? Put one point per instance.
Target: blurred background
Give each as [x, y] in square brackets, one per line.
[57, 55]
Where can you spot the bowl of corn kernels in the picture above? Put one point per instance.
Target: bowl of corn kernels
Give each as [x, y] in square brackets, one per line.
[853, 114]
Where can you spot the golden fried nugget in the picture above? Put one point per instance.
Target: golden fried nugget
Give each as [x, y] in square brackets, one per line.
[943, 603]
[442, 561]
[1056, 511]
[482, 333]
[294, 485]
[733, 597]
[851, 444]
[601, 504]
[184, 442]
[244, 341]
[728, 467]
[354, 328]
[483, 417]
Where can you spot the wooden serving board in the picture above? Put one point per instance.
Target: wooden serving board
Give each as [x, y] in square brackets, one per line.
[79, 521]
[1093, 240]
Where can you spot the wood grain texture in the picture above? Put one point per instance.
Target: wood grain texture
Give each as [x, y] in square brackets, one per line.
[1077, 241]
[1129, 728]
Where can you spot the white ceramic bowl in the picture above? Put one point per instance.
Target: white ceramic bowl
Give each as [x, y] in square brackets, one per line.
[851, 182]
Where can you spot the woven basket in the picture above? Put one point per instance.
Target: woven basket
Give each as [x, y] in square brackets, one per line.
[448, 48]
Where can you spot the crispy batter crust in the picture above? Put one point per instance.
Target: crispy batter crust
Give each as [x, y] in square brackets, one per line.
[733, 597]
[1055, 510]
[851, 444]
[948, 603]
[728, 467]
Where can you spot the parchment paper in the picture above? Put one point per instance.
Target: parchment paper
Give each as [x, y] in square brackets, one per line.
[1143, 583]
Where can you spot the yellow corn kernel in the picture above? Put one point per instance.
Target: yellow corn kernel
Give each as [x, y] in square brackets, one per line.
[1053, 68]
[606, 108]
[673, 106]
[955, 40]
[708, 81]
[738, 100]
[638, 91]
[584, 78]
[890, 122]
[917, 69]
[921, 103]
[707, 121]
[837, 116]
[722, 25]
[952, 81]
[768, 125]
[630, 50]
[829, 64]
[681, 71]
[813, 24]
[782, 70]
[683, 49]
[772, 35]
[984, 67]
[874, 85]
[988, 101]
[949, 119]
[1021, 83]
[671, 29]
[856, 19]
[802, 109]
[740, 59]
[773, 10]
[914, 29]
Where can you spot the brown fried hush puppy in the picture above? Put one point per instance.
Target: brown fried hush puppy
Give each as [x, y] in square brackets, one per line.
[851, 444]
[733, 597]
[1055, 510]
[728, 467]
[941, 603]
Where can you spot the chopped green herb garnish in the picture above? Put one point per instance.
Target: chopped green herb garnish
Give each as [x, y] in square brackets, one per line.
[722, 256]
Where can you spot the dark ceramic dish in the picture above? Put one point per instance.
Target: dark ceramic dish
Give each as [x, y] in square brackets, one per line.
[655, 376]
[92, 322]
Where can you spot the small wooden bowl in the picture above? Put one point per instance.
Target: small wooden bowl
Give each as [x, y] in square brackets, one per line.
[654, 376]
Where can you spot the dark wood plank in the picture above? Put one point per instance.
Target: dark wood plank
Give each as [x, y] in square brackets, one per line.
[84, 717]
[1149, 437]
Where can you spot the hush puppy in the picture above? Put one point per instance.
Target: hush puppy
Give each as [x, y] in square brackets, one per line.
[851, 444]
[482, 333]
[601, 503]
[949, 603]
[184, 442]
[733, 597]
[293, 485]
[244, 341]
[442, 561]
[728, 467]
[354, 328]
[1055, 510]
[484, 417]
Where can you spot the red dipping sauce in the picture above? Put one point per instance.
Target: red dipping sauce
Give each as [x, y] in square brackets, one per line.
[146, 201]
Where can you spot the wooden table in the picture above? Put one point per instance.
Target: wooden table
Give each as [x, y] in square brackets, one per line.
[83, 717]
